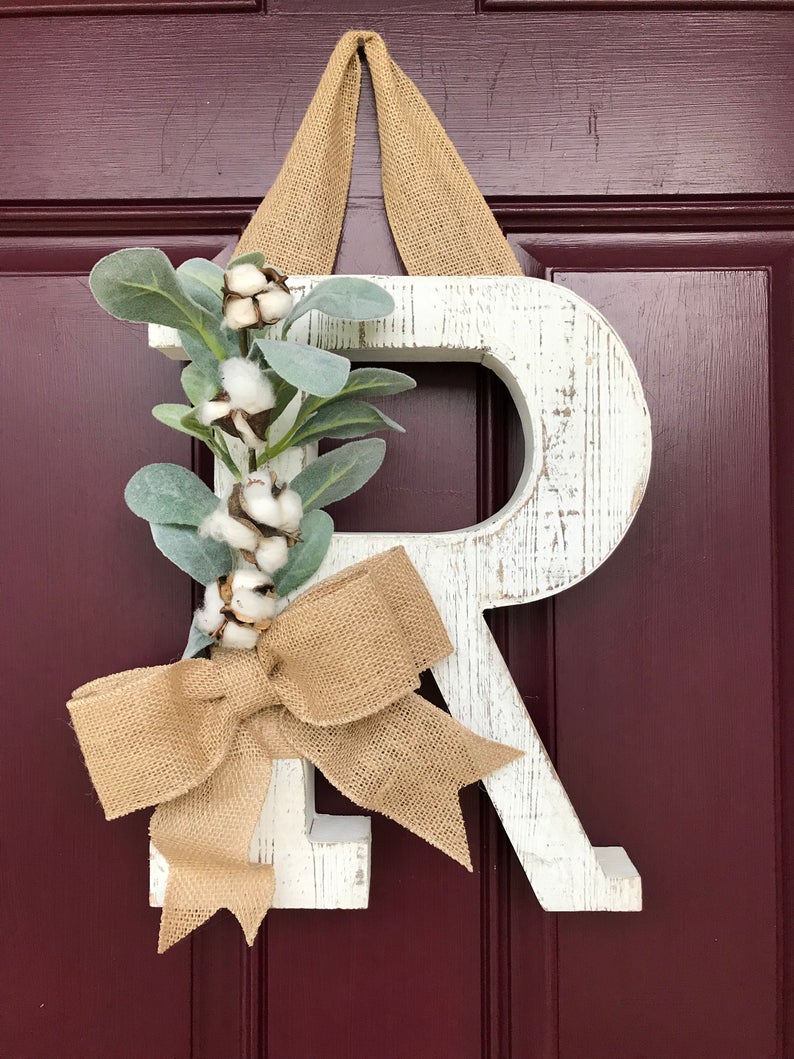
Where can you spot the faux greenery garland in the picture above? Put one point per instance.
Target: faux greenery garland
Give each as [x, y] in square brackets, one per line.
[253, 396]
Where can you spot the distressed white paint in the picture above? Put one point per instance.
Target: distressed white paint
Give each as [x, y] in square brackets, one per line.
[588, 448]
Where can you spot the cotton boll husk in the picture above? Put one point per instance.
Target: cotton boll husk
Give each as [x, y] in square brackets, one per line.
[252, 605]
[208, 617]
[290, 511]
[246, 434]
[248, 389]
[245, 279]
[258, 499]
[239, 637]
[274, 304]
[239, 313]
[272, 554]
[208, 411]
[222, 527]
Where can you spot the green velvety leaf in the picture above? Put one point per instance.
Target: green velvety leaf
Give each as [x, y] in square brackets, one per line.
[344, 297]
[202, 280]
[203, 357]
[166, 492]
[284, 393]
[141, 284]
[183, 418]
[253, 257]
[376, 382]
[305, 558]
[307, 367]
[339, 473]
[205, 560]
[197, 642]
[362, 382]
[196, 385]
[344, 419]
[191, 424]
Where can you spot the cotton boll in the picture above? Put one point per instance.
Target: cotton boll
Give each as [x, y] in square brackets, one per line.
[248, 577]
[249, 604]
[246, 280]
[208, 411]
[290, 511]
[274, 304]
[220, 526]
[248, 599]
[208, 617]
[240, 637]
[272, 554]
[248, 389]
[258, 499]
[240, 313]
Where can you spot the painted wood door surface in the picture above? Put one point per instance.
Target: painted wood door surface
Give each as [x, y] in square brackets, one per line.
[640, 155]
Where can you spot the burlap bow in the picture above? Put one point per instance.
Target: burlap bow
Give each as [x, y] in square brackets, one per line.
[332, 680]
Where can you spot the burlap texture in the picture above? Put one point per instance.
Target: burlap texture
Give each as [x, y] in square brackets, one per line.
[331, 680]
[441, 223]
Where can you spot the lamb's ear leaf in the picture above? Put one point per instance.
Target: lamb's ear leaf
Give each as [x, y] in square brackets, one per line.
[202, 280]
[307, 367]
[197, 386]
[344, 419]
[181, 417]
[305, 558]
[375, 382]
[203, 357]
[339, 473]
[253, 257]
[141, 284]
[197, 642]
[285, 392]
[166, 492]
[204, 559]
[346, 298]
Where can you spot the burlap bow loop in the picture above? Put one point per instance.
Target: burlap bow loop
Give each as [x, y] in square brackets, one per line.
[331, 680]
[150, 735]
[321, 683]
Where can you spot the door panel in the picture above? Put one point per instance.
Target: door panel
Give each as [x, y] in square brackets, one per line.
[667, 666]
[79, 971]
[598, 103]
[641, 158]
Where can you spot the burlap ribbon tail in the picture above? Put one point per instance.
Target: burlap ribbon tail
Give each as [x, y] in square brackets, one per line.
[332, 680]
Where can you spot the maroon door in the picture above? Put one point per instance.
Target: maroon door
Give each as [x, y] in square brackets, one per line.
[639, 154]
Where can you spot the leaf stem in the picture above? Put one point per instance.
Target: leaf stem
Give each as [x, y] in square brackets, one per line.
[220, 449]
[217, 351]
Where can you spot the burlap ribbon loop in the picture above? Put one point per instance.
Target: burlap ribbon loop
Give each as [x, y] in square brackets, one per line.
[333, 681]
[441, 223]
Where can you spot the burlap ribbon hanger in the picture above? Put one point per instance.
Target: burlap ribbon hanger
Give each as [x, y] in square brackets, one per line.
[332, 680]
[441, 223]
